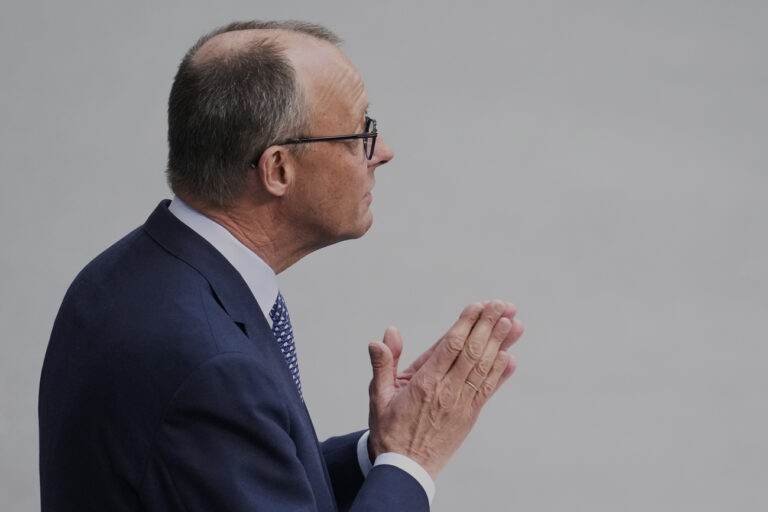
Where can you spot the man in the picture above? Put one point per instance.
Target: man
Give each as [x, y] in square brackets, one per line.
[171, 380]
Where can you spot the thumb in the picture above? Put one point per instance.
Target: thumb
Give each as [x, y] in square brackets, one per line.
[382, 362]
[394, 342]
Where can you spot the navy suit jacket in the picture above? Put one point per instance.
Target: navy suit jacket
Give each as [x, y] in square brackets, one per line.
[163, 389]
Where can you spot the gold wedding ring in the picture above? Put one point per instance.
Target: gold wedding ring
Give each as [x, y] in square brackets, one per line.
[471, 385]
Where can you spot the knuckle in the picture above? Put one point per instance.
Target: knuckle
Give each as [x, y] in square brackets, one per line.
[454, 343]
[486, 389]
[425, 384]
[473, 350]
[483, 367]
[489, 318]
[446, 398]
[377, 365]
[500, 363]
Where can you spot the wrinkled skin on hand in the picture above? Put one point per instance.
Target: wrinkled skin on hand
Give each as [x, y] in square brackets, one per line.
[426, 411]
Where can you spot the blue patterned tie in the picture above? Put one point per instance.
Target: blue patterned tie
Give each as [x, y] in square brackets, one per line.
[281, 328]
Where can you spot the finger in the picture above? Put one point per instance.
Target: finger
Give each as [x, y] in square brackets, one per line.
[488, 357]
[509, 312]
[483, 367]
[484, 331]
[452, 344]
[509, 309]
[382, 385]
[508, 371]
[503, 367]
[394, 341]
[514, 334]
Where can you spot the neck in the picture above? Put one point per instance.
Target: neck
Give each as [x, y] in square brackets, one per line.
[262, 229]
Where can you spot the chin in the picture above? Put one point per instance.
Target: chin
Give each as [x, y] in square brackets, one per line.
[362, 228]
[367, 224]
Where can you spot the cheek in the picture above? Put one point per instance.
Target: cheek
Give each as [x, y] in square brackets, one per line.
[338, 185]
[332, 198]
[345, 183]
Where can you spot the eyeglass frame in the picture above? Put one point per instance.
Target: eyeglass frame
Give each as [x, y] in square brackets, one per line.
[369, 122]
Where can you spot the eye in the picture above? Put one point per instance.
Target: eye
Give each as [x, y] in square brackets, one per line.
[352, 144]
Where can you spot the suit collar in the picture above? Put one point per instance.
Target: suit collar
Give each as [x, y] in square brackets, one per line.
[226, 282]
[259, 276]
[227, 285]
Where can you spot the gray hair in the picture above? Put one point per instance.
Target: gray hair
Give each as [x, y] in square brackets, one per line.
[225, 111]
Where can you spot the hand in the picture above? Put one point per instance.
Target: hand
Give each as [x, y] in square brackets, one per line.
[427, 411]
[395, 344]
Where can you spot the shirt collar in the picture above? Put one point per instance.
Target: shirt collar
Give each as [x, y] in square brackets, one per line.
[259, 276]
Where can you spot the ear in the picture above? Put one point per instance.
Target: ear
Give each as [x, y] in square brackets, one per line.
[275, 170]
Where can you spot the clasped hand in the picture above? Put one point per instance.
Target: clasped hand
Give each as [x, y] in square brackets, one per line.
[427, 411]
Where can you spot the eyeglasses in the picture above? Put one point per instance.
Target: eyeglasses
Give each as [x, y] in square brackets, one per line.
[369, 134]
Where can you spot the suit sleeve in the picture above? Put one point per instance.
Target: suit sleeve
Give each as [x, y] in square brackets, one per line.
[340, 455]
[224, 444]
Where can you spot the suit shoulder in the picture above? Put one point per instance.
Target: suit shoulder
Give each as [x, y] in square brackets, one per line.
[137, 300]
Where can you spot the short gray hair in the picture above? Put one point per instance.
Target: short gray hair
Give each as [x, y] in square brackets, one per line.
[225, 111]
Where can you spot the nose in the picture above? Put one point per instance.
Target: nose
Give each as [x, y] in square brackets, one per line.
[382, 153]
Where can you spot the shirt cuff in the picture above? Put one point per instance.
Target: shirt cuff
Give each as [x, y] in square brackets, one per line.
[362, 454]
[407, 464]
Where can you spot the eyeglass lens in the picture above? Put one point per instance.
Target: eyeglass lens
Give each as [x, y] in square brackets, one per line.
[369, 143]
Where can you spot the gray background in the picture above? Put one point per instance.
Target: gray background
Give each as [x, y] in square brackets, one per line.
[600, 164]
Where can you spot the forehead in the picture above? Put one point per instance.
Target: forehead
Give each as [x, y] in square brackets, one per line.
[332, 85]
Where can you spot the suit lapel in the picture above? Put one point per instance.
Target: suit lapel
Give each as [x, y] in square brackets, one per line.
[230, 290]
[228, 286]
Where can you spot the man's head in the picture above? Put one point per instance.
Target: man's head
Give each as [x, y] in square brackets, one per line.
[234, 95]
[243, 90]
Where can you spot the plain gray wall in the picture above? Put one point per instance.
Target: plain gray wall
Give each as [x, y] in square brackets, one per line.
[600, 164]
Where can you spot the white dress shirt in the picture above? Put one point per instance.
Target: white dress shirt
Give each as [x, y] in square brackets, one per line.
[262, 282]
